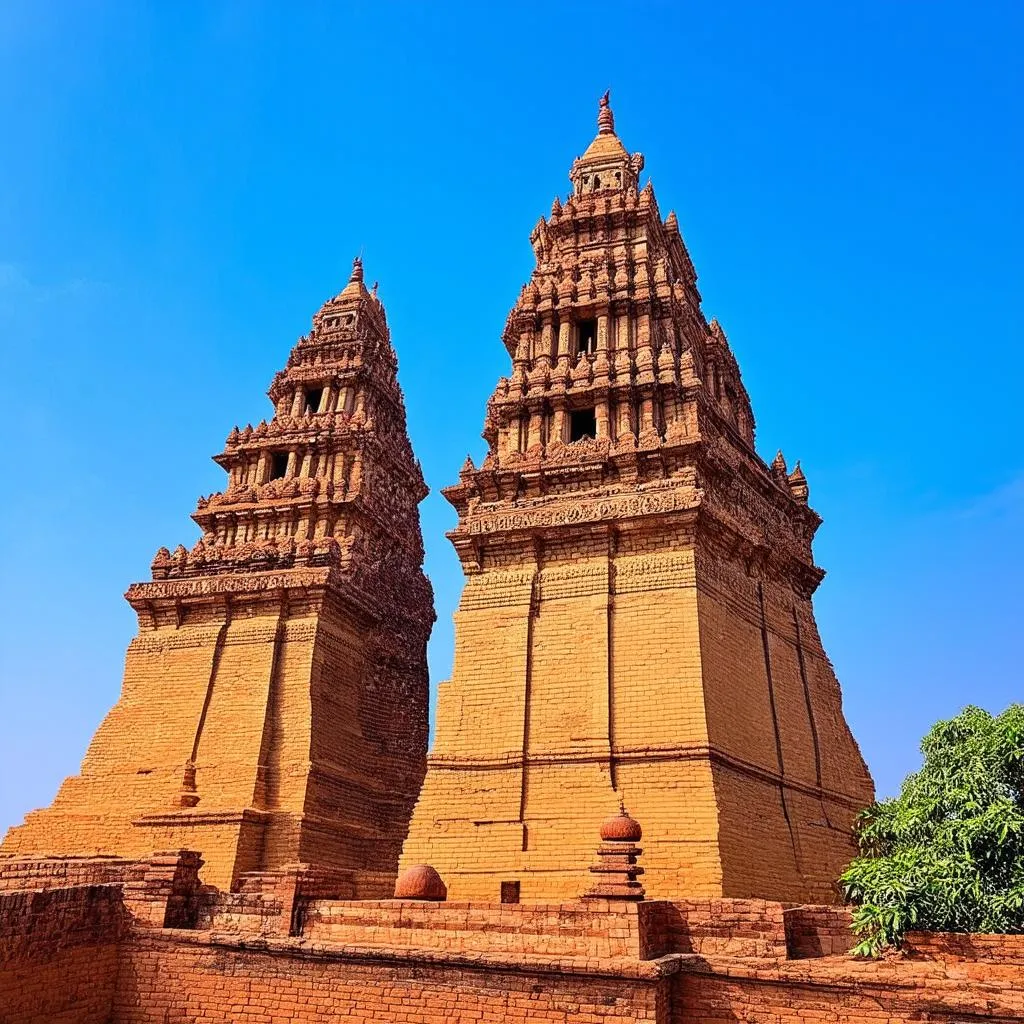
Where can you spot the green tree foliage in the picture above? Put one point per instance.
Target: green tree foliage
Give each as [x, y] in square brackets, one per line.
[947, 854]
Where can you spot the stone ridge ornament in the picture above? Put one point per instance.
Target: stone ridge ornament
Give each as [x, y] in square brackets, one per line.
[637, 610]
[274, 707]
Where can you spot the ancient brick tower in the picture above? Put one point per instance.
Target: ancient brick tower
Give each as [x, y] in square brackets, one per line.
[274, 706]
[636, 619]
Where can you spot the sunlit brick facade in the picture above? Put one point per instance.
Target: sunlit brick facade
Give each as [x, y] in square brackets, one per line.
[637, 617]
[274, 705]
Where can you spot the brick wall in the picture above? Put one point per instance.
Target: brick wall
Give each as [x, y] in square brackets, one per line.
[789, 777]
[700, 695]
[59, 954]
[276, 952]
[818, 931]
[844, 990]
[182, 978]
[291, 760]
[59, 872]
[533, 749]
[746, 928]
[1007, 949]
[594, 929]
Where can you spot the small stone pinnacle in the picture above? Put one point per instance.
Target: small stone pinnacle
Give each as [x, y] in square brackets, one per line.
[605, 117]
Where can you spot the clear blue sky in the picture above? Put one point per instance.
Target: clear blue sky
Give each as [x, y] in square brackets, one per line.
[183, 184]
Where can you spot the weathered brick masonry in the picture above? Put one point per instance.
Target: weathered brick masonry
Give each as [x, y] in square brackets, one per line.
[637, 615]
[274, 706]
[59, 951]
[82, 955]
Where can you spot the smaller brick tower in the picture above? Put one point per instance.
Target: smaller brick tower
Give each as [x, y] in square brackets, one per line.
[274, 705]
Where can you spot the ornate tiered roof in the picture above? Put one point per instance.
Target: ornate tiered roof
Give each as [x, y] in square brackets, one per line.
[618, 379]
[299, 489]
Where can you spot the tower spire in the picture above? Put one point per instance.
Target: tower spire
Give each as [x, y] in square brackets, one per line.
[605, 117]
[606, 165]
[355, 286]
[602, 431]
[324, 542]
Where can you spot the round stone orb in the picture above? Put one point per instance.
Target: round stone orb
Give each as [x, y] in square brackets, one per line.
[420, 882]
[621, 829]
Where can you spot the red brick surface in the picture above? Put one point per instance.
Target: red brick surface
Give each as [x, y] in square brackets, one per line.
[847, 991]
[176, 981]
[77, 956]
[813, 931]
[744, 928]
[60, 872]
[1005, 949]
[59, 954]
[555, 930]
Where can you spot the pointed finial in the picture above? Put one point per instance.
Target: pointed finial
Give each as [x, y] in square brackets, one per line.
[779, 471]
[605, 117]
[798, 484]
[357, 270]
[622, 806]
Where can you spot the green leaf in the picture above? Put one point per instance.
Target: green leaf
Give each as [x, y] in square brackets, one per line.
[947, 854]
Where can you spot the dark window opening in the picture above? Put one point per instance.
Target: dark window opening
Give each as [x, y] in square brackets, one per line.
[278, 465]
[660, 425]
[313, 399]
[597, 182]
[586, 340]
[509, 892]
[582, 423]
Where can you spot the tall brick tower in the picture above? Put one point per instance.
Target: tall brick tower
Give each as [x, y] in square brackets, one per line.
[636, 619]
[274, 705]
